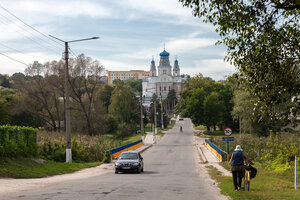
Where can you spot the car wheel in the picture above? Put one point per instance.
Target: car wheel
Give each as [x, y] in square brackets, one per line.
[142, 170]
[116, 172]
[139, 170]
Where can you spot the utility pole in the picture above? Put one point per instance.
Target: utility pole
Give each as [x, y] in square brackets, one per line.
[155, 118]
[161, 113]
[67, 97]
[142, 117]
[68, 112]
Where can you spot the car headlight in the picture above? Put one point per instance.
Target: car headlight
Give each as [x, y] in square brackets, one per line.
[135, 164]
[117, 164]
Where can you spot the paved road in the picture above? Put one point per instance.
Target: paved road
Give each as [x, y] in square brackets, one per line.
[172, 171]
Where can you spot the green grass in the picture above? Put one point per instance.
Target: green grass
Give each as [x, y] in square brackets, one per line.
[201, 127]
[130, 139]
[27, 168]
[265, 185]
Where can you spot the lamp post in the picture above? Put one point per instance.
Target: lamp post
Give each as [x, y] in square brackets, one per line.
[155, 118]
[67, 96]
[161, 113]
[142, 117]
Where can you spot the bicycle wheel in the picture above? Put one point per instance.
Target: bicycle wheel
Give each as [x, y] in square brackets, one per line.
[247, 181]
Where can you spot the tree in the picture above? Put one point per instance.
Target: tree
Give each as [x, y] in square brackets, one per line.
[6, 99]
[104, 95]
[4, 81]
[124, 107]
[263, 42]
[213, 109]
[85, 80]
[171, 101]
[136, 85]
[225, 93]
[193, 96]
[40, 99]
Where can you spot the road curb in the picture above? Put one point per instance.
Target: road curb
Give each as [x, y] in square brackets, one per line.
[141, 151]
[201, 153]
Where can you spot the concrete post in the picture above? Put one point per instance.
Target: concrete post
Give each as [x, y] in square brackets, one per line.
[296, 172]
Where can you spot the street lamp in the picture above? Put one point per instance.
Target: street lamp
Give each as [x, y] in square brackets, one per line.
[161, 112]
[67, 96]
[142, 116]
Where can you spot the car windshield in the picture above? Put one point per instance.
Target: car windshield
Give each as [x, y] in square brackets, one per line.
[128, 156]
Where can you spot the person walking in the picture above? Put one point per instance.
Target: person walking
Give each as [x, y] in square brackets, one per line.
[237, 166]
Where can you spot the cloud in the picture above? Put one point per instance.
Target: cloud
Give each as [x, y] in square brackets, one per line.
[178, 46]
[217, 69]
[9, 66]
[61, 8]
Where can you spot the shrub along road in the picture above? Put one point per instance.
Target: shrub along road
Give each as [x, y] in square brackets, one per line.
[172, 171]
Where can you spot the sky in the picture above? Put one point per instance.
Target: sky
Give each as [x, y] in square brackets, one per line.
[131, 33]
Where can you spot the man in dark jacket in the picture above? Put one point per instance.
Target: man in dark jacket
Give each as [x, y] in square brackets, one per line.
[237, 166]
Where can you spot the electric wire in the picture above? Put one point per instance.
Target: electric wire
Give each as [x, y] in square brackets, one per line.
[31, 26]
[13, 59]
[29, 38]
[21, 51]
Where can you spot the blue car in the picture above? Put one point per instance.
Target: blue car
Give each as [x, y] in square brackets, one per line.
[129, 161]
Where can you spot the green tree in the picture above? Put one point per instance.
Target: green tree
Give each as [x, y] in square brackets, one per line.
[124, 107]
[263, 42]
[104, 95]
[171, 101]
[6, 99]
[213, 109]
[85, 81]
[4, 81]
[136, 85]
[193, 96]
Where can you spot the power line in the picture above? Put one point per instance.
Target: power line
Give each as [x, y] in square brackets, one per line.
[21, 51]
[13, 59]
[28, 37]
[74, 54]
[31, 26]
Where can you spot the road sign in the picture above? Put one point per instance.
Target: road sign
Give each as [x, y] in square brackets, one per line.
[227, 139]
[227, 131]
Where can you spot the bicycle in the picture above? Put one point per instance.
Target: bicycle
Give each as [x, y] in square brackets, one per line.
[248, 176]
[247, 179]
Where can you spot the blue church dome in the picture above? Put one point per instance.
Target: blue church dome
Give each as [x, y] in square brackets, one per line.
[164, 54]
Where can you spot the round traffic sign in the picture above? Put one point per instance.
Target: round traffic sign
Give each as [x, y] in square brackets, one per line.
[227, 131]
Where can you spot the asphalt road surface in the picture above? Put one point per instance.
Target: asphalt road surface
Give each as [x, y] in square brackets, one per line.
[172, 171]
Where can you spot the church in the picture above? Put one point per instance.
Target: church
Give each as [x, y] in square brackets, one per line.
[162, 80]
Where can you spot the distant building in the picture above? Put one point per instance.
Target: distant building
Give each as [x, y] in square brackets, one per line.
[162, 80]
[125, 75]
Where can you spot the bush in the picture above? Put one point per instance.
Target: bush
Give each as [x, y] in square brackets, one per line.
[18, 141]
[276, 152]
[126, 130]
[84, 148]
[111, 124]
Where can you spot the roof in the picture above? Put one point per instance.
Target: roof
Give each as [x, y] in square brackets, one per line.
[164, 54]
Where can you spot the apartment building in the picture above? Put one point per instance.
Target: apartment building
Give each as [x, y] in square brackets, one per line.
[125, 75]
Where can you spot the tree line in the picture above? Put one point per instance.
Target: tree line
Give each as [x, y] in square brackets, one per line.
[36, 99]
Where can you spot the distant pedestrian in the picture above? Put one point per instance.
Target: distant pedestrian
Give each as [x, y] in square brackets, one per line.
[180, 128]
[237, 166]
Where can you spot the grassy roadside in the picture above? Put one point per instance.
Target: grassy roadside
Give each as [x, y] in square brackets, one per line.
[28, 168]
[266, 185]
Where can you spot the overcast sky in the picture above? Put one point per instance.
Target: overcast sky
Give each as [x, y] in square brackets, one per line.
[130, 31]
